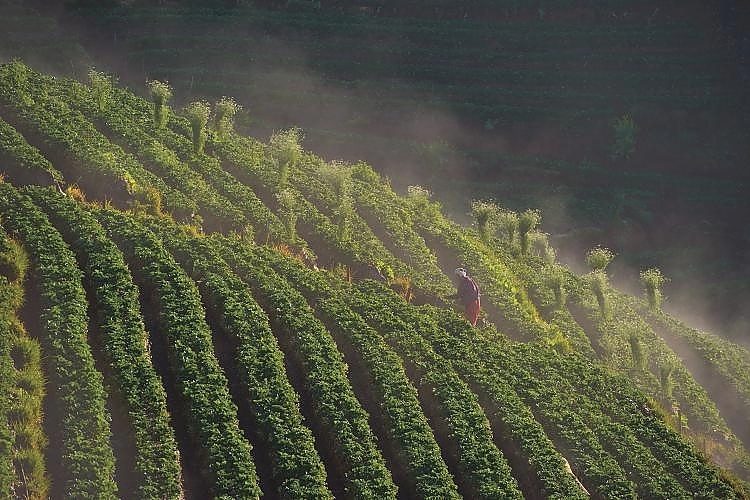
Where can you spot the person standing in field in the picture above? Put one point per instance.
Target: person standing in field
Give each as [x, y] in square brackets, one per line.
[468, 294]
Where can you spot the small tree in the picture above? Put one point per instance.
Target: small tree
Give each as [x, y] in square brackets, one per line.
[161, 92]
[624, 140]
[636, 349]
[653, 280]
[226, 108]
[338, 176]
[555, 279]
[285, 149]
[598, 258]
[665, 380]
[527, 221]
[197, 113]
[288, 211]
[507, 223]
[485, 214]
[102, 86]
[419, 199]
[599, 283]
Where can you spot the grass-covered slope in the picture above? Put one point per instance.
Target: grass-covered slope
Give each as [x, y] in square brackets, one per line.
[207, 329]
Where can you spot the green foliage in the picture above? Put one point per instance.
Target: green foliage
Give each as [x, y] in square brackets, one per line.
[297, 468]
[507, 224]
[14, 261]
[285, 150]
[160, 92]
[555, 279]
[224, 111]
[666, 381]
[224, 452]
[624, 137]
[289, 207]
[121, 330]
[338, 176]
[85, 440]
[485, 214]
[198, 113]
[652, 279]
[599, 258]
[365, 173]
[527, 221]
[636, 350]
[599, 284]
[101, 86]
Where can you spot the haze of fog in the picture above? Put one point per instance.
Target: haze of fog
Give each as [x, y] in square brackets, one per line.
[385, 125]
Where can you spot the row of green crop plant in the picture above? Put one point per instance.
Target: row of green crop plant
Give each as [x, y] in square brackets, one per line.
[22, 440]
[542, 377]
[119, 330]
[221, 450]
[377, 204]
[500, 287]
[515, 238]
[329, 187]
[500, 387]
[296, 466]
[272, 170]
[728, 360]
[408, 442]
[67, 136]
[97, 107]
[97, 104]
[626, 403]
[579, 66]
[22, 163]
[338, 418]
[174, 136]
[80, 436]
[631, 348]
[484, 468]
[560, 47]
[584, 431]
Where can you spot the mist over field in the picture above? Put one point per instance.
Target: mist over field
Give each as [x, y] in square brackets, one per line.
[681, 209]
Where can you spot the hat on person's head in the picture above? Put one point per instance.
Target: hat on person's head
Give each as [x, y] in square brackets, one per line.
[460, 272]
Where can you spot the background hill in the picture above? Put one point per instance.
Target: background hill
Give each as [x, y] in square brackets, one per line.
[185, 309]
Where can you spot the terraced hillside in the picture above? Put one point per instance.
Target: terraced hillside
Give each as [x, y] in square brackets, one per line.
[512, 100]
[187, 313]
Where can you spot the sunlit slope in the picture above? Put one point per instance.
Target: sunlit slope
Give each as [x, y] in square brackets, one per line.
[207, 330]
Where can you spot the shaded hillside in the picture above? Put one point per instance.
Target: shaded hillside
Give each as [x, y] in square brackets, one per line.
[513, 101]
[208, 329]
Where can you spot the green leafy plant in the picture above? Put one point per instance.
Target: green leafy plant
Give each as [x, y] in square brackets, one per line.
[288, 211]
[599, 283]
[527, 221]
[507, 223]
[599, 258]
[285, 149]
[636, 350]
[225, 110]
[666, 382]
[652, 279]
[161, 92]
[555, 279]
[197, 113]
[485, 214]
[338, 176]
[101, 85]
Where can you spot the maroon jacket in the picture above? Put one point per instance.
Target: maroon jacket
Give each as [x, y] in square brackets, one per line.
[468, 290]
